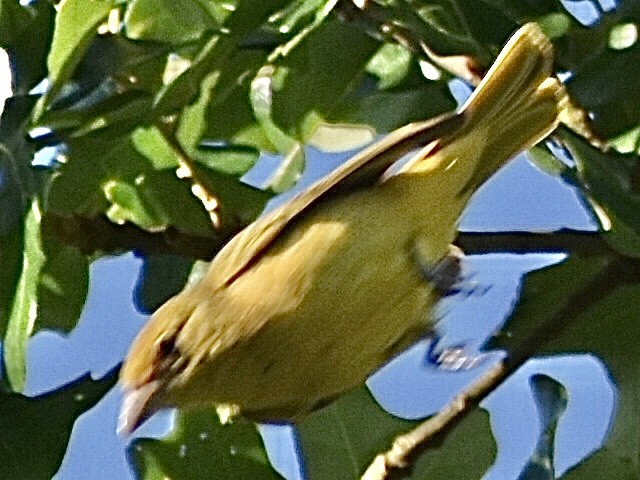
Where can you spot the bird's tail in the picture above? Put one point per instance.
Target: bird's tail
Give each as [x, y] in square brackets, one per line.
[515, 106]
[517, 103]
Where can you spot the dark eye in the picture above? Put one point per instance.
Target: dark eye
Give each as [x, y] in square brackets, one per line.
[169, 357]
[166, 347]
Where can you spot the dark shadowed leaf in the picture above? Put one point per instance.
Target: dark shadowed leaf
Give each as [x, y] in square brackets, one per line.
[75, 27]
[551, 401]
[161, 277]
[316, 75]
[354, 429]
[35, 430]
[63, 286]
[25, 32]
[585, 304]
[200, 447]
[611, 181]
[610, 329]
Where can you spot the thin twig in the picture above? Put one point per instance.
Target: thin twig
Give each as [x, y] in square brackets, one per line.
[400, 455]
[188, 170]
[407, 447]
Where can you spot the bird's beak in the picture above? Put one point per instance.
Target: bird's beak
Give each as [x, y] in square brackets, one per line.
[137, 406]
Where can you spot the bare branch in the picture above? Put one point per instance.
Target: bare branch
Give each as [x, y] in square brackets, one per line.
[189, 171]
[407, 447]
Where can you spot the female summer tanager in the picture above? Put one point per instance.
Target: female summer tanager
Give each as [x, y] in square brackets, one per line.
[311, 298]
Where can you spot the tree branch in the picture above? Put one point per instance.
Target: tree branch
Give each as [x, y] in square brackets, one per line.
[189, 171]
[99, 234]
[408, 447]
[558, 241]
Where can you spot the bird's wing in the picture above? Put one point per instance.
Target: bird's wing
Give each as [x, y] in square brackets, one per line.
[363, 169]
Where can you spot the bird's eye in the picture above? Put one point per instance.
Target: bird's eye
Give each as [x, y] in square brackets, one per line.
[169, 357]
[166, 346]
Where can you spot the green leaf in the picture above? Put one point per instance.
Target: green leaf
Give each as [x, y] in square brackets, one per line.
[316, 75]
[36, 430]
[125, 184]
[601, 86]
[64, 283]
[18, 183]
[214, 53]
[200, 447]
[623, 35]
[231, 160]
[150, 143]
[542, 158]
[238, 203]
[172, 21]
[627, 142]
[546, 292]
[12, 197]
[611, 182]
[25, 302]
[25, 32]
[391, 64]
[354, 429]
[18, 180]
[76, 186]
[11, 245]
[555, 25]
[223, 157]
[129, 205]
[610, 329]
[229, 117]
[184, 87]
[551, 400]
[290, 168]
[76, 24]
[388, 110]
[296, 15]
[585, 305]
[111, 88]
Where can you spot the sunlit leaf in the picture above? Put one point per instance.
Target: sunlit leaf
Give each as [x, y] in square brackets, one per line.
[390, 64]
[24, 309]
[76, 24]
[170, 20]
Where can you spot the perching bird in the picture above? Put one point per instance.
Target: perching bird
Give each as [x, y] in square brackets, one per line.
[313, 297]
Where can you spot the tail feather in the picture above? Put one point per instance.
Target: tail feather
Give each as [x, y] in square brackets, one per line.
[523, 64]
[516, 105]
[517, 129]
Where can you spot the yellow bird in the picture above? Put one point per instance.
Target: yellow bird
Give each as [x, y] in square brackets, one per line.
[313, 297]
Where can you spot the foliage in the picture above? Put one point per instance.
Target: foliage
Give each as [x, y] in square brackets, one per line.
[155, 110]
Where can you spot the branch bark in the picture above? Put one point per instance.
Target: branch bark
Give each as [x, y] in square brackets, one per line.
[406, 448]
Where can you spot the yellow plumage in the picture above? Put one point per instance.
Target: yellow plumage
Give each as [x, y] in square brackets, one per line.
[310, 299]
